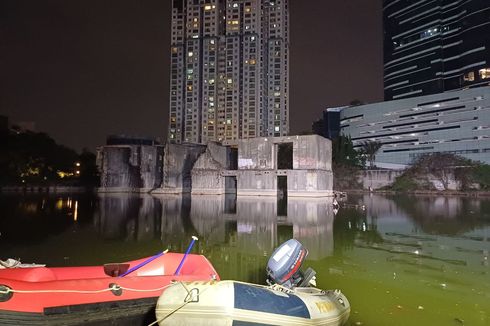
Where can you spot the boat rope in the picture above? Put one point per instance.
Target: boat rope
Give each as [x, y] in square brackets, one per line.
[169, 314]
[273, 287]
[113, 287]
[187, 300]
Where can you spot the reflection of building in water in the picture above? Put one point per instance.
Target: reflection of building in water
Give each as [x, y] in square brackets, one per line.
[257, 224]
[434, 215]
[444, 206]
[312, 221]
[175, 222]
[128, 216]
[114, 212]
[207, 216]
[415, 231]
[247, 239]
[443, 215]
[148, 219]
[235, 233]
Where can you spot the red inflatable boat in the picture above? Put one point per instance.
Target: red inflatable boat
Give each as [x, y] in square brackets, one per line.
[94, 295]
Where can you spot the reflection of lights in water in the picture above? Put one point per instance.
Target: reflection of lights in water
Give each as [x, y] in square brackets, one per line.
[30, 208]
[75, 213]
[364, 226]
[59, 204]
[42, 205]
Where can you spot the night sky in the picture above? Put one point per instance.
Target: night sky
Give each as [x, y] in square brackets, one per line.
[84, 69]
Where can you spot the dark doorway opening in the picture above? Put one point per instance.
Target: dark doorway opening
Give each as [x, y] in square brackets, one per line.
[285, 156]
[230, 184]
[230, 203]
[282, 195]
[233, 159]
[284, 233]
[230, 231]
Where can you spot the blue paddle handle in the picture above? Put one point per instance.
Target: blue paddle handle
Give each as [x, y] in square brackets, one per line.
[194, 238]
[149, 260]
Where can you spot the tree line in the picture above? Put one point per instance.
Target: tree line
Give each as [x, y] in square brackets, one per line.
[33, 158]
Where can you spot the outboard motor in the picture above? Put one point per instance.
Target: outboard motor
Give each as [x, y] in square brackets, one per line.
[284, 266]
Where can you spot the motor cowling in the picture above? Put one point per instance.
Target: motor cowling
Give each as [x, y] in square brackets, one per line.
[284, 266]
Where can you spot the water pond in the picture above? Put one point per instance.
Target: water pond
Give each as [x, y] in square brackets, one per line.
[401, 260]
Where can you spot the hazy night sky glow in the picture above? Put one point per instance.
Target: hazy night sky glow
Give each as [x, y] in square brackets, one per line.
[84, 69]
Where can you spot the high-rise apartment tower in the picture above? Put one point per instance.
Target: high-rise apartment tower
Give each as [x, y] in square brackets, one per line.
[229, 76]
[434, 46]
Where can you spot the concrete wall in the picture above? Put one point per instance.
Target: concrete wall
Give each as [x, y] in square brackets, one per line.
[376, 179]
[207, 173]
[117, 170]
[129, 168]
[255, 153]
[301, 183]
[309, 152]
[312, 152]
[178, 163]
[311, 174]
[151, 166]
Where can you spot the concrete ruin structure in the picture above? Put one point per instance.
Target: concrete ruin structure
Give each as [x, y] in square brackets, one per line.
[130, 165]
[289, 166]
[284, 166]
[210, 174]
[178, 161]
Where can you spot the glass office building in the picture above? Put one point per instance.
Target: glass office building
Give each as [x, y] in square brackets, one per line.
[435, 46]
[456, 123]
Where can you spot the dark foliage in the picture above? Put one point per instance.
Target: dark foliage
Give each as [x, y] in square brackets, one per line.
[343, 152]
[370, 148]
[346, 163]
[29, 158]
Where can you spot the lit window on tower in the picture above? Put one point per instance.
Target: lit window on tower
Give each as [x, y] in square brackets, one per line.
[484, 73]
[470, 76]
